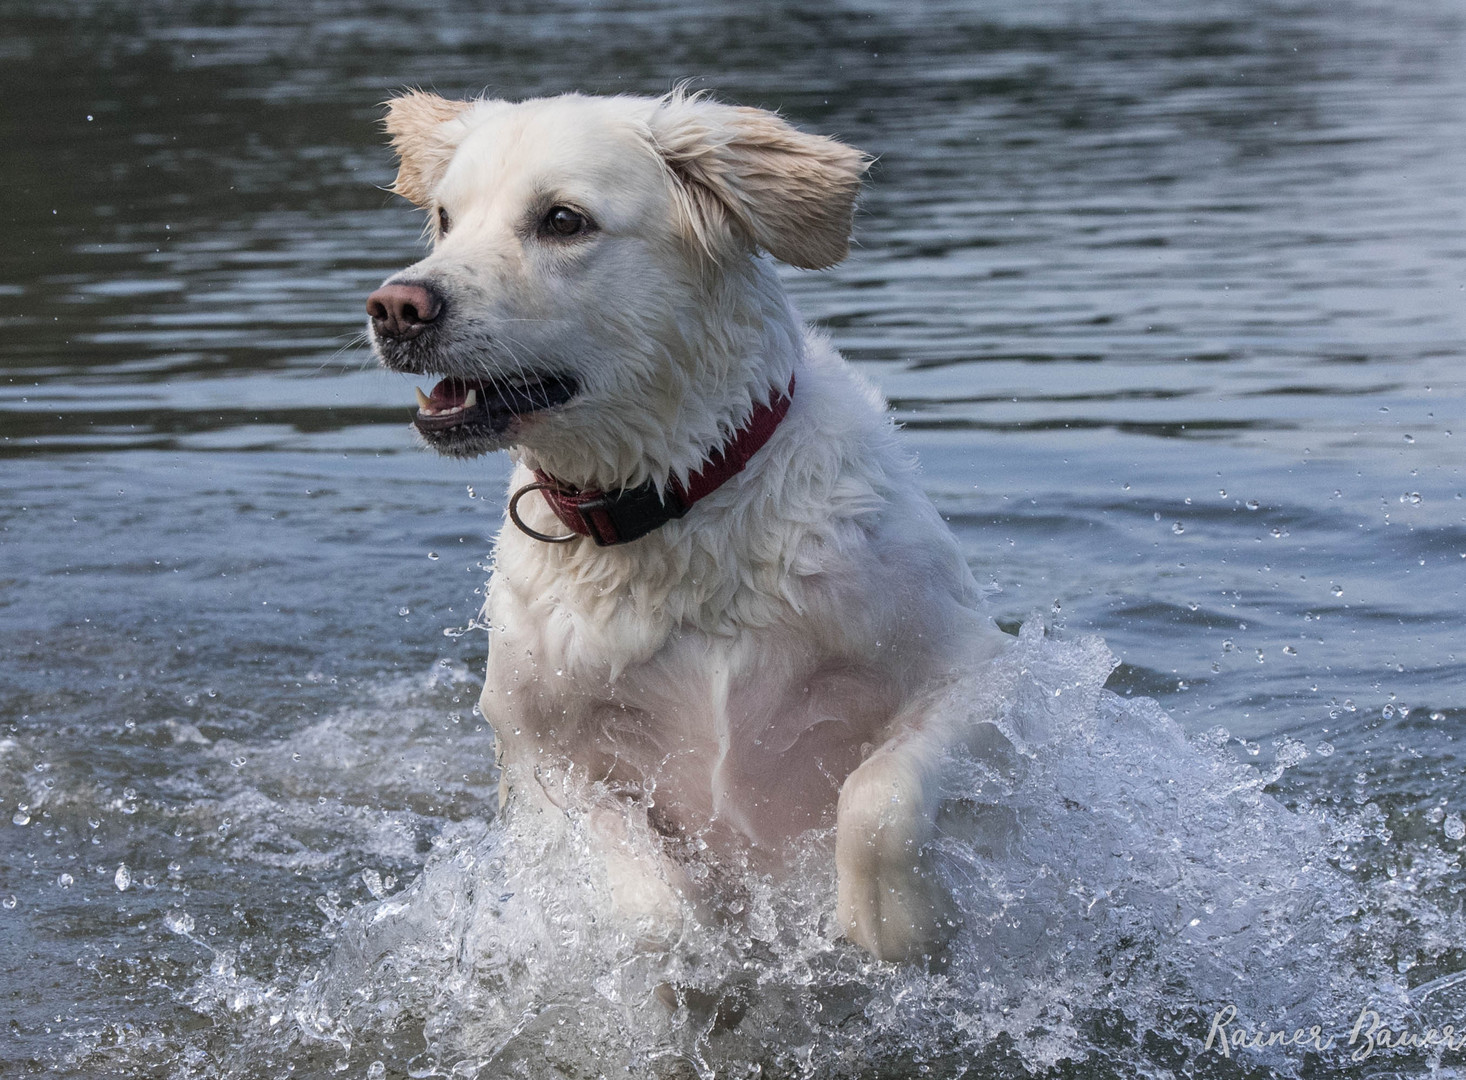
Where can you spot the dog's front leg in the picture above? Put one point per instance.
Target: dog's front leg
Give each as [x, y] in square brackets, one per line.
[648, 888]
[888, 902]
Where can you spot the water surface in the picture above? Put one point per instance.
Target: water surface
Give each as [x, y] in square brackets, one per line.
[1169, 297]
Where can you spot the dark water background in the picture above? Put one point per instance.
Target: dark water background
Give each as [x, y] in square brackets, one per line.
[1171, 298]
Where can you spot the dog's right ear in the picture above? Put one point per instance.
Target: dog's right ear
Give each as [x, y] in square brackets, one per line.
[424, 137]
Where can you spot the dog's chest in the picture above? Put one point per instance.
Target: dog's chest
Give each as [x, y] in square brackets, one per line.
[750, 735]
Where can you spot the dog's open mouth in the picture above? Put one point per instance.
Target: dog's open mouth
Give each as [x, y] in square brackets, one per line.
[486, 407]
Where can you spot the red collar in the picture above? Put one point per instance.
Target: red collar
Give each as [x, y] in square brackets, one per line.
[633, 512]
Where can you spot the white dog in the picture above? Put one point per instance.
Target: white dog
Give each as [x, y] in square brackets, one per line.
[721, 602]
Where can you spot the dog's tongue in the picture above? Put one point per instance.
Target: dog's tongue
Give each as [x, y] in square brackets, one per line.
[448, 395]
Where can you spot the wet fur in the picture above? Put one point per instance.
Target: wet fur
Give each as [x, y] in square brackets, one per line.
[774, 661]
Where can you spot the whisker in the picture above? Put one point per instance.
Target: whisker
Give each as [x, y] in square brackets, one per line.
[355, 341]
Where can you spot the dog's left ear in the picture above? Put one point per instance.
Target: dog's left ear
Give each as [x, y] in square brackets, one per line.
[425, 138]
[746, 171]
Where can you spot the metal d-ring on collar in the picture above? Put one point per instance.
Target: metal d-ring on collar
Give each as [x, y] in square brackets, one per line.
[519, 521]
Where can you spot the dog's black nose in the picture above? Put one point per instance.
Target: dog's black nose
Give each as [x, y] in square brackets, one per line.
[403, 310]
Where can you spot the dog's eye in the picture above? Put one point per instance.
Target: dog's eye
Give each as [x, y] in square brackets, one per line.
[563, 221]
[442, 222]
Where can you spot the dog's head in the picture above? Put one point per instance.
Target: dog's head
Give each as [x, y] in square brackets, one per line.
[595, 294]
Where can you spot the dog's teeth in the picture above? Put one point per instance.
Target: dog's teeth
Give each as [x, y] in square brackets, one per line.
[424, 402]
[471, 400]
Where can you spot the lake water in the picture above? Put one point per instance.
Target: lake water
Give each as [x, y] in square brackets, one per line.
[1170, 298]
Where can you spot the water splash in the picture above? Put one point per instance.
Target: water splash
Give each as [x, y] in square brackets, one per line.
[1118, 885]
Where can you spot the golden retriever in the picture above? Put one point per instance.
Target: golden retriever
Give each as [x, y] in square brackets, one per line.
[722, 607]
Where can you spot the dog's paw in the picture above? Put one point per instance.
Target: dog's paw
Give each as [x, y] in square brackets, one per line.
[888, 901]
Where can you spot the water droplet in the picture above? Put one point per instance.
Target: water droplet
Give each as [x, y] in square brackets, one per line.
[1437, 716]
[239, 762]
[373, 881]
[123, 878]
[1260, 659]
[1337, 590]
[21, 816]
[1178, 528]
[1253, 504]
[376, 1071]
[1455, 827]
[1388, 712]
[404, 611]
[66, 881]
[433, 555]
[1324, 749]
[1227, 645]
[1409, 438]
[1411, 498]
[1288, 650]
[470, 491]
[178, 922]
